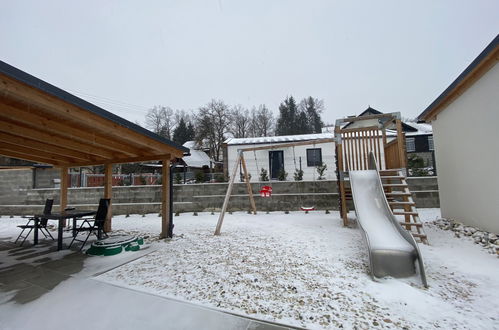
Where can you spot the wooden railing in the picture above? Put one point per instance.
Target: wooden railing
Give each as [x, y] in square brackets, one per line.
[357, 144]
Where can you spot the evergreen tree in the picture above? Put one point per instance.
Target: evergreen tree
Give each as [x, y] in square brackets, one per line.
[191, 133]
[287, 123]
[180, 134]
[302, 125]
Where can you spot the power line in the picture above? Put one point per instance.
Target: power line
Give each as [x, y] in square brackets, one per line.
[112, 102]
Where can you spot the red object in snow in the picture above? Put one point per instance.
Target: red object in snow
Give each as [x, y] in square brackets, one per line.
[266, 191]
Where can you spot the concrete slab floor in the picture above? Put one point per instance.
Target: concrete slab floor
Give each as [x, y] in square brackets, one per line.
[28, 273]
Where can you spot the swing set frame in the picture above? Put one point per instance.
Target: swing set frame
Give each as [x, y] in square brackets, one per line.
[240, 161]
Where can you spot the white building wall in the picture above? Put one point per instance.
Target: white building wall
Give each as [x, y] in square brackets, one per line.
[262, 160]
[466, 138]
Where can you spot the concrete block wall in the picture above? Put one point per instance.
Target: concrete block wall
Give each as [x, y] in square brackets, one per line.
[14, 186]
[202, 197]
[44, 177]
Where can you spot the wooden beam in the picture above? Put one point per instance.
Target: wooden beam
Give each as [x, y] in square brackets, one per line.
[165, 197]
[288, 145]
[227, 194]
[32, 158]
[117, 160]
[81, 134]
[53, 139]
[66, 129]
[248, 185]
[59, 150]
[43, 153]
[108, 193]
[359, 129]
[378, 116]
[21, 92]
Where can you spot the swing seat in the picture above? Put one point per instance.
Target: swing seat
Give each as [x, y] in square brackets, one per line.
[305, 208]
[266, 191]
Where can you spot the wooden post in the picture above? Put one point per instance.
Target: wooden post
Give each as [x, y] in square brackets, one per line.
[108, 193]
[341, 183]
[227, 194]
[383, 133]
[63, 190]
[165, 197]
[401, 146]
[248, 184]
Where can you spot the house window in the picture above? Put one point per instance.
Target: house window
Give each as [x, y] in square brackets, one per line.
[314, 157]
[430, 143]
[410, 145]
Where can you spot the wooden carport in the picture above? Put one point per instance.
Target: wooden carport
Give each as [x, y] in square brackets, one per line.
[42, 123]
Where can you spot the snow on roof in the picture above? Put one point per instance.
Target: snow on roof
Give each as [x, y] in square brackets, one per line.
[279, 139]
[423, 129]
[198, 158]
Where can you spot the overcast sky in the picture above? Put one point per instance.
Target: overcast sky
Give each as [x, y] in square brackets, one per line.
[128, 56]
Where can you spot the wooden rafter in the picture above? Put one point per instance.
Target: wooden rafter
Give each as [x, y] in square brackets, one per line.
[56, 107]
[36, 119]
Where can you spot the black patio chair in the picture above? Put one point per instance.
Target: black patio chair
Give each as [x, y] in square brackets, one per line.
[94, 225]
[42, 223]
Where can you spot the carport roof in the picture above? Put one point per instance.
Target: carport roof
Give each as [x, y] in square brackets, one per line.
[43, 123]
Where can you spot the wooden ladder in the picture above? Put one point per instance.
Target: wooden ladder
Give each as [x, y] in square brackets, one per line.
[401, 202]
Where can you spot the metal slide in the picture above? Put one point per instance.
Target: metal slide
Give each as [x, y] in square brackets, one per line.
[392, 250]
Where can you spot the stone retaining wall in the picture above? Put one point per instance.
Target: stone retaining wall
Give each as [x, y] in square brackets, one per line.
[204, 197]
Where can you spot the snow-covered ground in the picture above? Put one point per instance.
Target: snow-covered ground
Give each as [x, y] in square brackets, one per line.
[308, 270]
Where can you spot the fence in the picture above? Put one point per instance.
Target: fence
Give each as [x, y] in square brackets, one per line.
[78, 180]
[97, 180]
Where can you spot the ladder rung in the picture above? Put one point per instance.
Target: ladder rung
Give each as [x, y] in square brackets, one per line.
[419, 235]
[395, 185]
[405, 213]
[415, 224]
[390, 170]
[397, 194]
[400, 178]
[401, 203]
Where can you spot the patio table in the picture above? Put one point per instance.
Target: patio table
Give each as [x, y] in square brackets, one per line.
[61, 216]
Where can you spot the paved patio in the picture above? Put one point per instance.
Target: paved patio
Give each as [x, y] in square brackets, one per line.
[34, 277]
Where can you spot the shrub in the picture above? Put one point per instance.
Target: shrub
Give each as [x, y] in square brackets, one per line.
[320, 170]
[219, 177]
[298, 176]
[416, 166]
[282, 175]
[200, 177]
[178, 178]
[264, 176]
[241, 177]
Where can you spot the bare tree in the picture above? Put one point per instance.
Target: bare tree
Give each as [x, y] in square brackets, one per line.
[161, 120]
[240, 121]
[182, 114]
[212, 124]
[312, 108]
[262, 122]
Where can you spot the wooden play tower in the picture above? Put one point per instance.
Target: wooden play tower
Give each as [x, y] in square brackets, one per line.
[382, 136]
